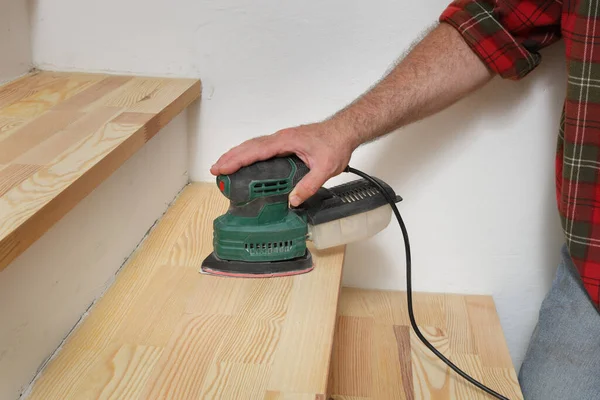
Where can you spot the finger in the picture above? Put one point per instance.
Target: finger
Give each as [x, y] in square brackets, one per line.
[223, 159]
[232, 160]
[253, 151]
[231, 153]
[308, 186]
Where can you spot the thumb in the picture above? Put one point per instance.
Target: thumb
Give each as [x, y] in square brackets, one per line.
[308, 186]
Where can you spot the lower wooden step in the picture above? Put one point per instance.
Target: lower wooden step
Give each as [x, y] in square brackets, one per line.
[377, 356]
[165, 331]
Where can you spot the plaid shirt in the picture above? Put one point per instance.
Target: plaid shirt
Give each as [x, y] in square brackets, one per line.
[507, 35]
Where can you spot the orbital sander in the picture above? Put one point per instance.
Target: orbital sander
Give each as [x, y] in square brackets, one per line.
[260, 235]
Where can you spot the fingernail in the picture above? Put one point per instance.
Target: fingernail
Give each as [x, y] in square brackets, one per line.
[294, 200]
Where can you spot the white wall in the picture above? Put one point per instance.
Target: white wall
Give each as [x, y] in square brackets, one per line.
[46, 290]
[477, 179]
[15, 45]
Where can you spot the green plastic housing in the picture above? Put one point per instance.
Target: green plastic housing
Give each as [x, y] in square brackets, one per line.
[251, 239]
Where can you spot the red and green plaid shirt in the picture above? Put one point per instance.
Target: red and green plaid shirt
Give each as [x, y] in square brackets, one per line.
[507, 35]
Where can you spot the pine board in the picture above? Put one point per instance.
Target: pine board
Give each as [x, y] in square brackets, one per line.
[165, 331]
[62, 134]
[377, 356]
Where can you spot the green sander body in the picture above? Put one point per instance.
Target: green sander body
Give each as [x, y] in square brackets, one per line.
[261, 236]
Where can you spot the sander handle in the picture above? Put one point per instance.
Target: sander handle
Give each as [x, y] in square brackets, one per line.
[262, 183]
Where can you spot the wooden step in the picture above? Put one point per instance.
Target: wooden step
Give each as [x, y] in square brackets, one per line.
[377, 356]
[62, 134]
[165, 331]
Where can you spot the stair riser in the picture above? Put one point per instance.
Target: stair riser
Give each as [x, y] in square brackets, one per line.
[46, 290]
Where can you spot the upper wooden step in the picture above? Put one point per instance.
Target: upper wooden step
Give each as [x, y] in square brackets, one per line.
[62, 134]
[166, 331]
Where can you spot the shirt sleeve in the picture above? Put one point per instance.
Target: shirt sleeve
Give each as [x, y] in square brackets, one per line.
[506, 34]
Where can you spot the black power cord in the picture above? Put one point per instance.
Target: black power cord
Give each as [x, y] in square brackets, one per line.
[411, 315]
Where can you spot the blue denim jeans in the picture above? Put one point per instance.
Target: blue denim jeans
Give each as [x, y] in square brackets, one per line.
[563, 358]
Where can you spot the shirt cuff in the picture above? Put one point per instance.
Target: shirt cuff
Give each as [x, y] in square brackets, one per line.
[490, 40]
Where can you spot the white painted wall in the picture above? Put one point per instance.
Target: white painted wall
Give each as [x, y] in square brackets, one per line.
[46, 290]
[477, 179]
[15, 44]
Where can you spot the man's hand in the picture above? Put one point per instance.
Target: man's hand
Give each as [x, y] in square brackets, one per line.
[323, 147]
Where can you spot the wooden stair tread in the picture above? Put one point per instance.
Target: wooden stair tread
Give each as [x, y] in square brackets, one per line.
[165, 331]
[62, 134]
[376, 354]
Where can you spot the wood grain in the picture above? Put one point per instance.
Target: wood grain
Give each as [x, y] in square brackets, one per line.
[486, 330]
[61, 140]
[385, 307]
[309, 329]
[62, 134]
[13, 174]
[184, 364]
[45, 97]
[131, 368]
[505, 380]
[165, 331]
[35, 133]
[292, 396]
[431, 377]
[353, 375]
[377, 355]
[236, 381]
[99, 90]
[400, 365]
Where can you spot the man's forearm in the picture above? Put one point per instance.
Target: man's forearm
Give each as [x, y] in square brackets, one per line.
[437, 72]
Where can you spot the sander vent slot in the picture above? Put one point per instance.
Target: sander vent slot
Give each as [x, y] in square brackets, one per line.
[357, 194]
[346, 200]
[268, 248]
[266, 188]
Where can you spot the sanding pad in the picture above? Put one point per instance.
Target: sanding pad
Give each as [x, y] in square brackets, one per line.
[213, 265]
